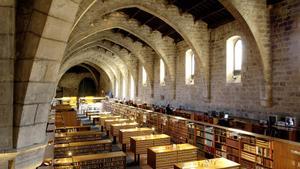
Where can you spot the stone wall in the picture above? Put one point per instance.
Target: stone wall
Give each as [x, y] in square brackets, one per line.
[69, 84]
[241, 99]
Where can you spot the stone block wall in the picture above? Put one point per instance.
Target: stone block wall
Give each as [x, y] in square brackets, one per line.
[242, 99]
[70, 84]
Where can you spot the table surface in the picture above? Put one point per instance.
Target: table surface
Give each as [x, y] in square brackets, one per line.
[150, 137]
[124, 124]
[173, 147]
[109, 116]
[135, 129]
[115, 120]
[89, 157]
[72, 127]
[98, 156]
[216, 163]
[76, 133]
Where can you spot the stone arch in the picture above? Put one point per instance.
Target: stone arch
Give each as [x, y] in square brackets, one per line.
[127, 59]
[144, 54]
[36, 66]
[92, 73]
[108, 59]
[113, 61]
[122, 56]
[163, 46]
[98, 64]
[194, 33]
[258, 34]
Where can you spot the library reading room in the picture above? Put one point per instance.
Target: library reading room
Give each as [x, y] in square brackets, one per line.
[150, 84]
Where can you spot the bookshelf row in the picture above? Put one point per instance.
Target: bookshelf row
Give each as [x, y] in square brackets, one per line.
[251, 151]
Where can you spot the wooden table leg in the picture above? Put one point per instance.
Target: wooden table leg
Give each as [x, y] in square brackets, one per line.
[134, 158]
[124, 147]
[107, 133]
[114, 140]
[101, 128]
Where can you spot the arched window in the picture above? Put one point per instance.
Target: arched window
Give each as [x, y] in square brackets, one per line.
[234, 59]
[189, 67]
[131, 88]
[124, 88]
[162, 73]
[238, 56]
[144, 76]
[117, 89]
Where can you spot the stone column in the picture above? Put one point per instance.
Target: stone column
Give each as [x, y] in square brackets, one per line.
[7, 55]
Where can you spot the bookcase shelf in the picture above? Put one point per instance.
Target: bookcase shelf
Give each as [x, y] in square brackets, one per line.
[82, 148]
[249, 149]
[111, 160]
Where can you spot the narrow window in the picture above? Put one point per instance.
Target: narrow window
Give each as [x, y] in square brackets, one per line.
[234, 59]
[162, 73]
[144, 76]
[131, 88]
[189, 67]
[124, 88]
[238, 56]
[117, 89]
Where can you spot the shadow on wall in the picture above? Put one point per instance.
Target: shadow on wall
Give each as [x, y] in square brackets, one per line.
[87, 87]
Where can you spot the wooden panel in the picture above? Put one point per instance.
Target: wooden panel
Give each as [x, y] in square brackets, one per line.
[167, 156]
[140, 144]
[288, 156]
[125, 134]
[114, 128]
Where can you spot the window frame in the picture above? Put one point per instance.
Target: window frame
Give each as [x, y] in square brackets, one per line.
[144, 76]
[190, 73]
[237, 72]
[162, 81]
[234, 75]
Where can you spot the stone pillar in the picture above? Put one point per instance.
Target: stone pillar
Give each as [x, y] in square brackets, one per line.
[7, 55]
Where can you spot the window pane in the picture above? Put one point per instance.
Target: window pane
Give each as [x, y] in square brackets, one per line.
[189, 66]
[144, 76]
[117, 89]
[238, 55]
[162, 72]
[124, 88]
[131, 88]
[192, 64]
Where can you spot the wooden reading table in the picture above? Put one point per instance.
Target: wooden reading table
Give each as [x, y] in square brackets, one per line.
[216, 163]
[113, 121]
[140, 144]
[125, 134]
[114, 128]
[166, 156]
[107, 117]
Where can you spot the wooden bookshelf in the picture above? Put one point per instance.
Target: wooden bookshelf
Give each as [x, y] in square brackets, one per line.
[177, 129]
[167, 156]
[111, 160]
[82, 148]
[215, 141]
[216, 163]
